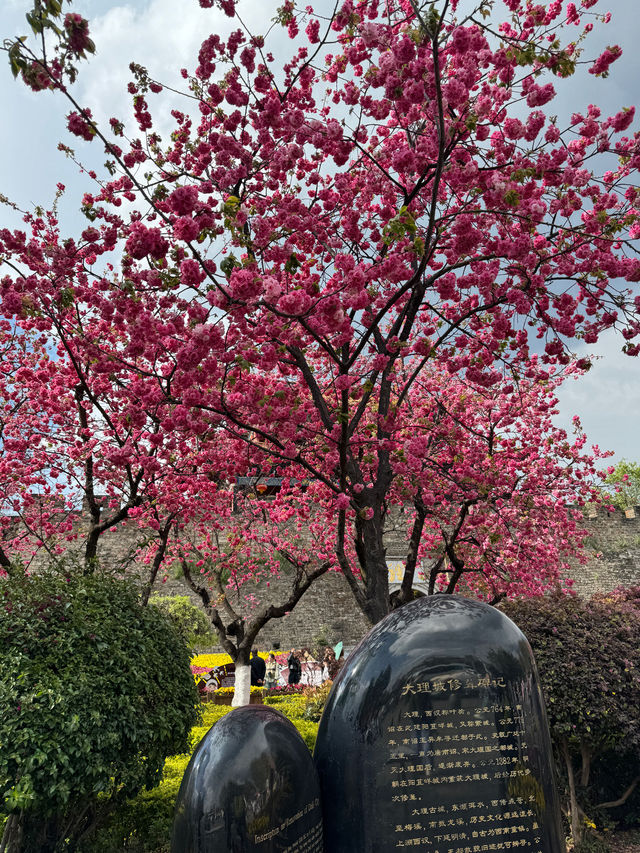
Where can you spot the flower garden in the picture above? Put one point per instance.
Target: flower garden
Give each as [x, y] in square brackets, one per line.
[62, 721]
[205, 662]
[202, 664]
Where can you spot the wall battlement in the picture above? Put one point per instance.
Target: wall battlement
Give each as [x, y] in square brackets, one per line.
[613, 550]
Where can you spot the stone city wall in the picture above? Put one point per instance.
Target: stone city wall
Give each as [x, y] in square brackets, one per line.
[327, 612]
[613, 549]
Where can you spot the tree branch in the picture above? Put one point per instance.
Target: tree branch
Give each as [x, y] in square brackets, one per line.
[612, 804]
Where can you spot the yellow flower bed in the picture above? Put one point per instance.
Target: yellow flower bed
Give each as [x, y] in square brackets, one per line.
[229, 690]
[144, 823]
[219, 659]
[210, 660]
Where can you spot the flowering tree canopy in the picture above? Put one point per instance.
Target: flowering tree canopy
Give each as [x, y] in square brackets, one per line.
[364, 267]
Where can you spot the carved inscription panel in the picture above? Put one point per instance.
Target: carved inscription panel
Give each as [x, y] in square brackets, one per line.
[435, 736]
[250, 787]
[475, 759]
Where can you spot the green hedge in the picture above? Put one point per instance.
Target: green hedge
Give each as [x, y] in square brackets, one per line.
[95, 692]
[587, 657]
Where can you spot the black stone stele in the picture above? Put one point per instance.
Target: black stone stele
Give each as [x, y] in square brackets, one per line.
[251, 785]
[435, 737]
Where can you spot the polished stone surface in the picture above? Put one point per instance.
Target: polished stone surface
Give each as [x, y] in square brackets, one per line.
[251, 785]
[435, 736]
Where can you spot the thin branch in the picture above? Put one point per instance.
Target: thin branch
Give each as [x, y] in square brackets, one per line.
[612, 804]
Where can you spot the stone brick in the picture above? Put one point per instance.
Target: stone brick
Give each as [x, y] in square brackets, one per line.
[613, 552]
[327, 610]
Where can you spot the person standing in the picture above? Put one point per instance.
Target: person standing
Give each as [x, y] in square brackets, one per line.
[295, 669]
[330, 664]
[258, 669]
[272, 673]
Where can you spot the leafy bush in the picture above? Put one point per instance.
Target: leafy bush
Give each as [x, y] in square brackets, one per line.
[255, 690]
[623, 599]
[613, 772]
[143, 824]
[292, 705]
[587, 653]
[622, 485]
[287, 690]
[95, 692]
[316, 699]
[190, 621]
[308, 730]
[592, 844]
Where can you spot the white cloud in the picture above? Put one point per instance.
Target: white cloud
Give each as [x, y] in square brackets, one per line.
[163, 36]
[606, 399]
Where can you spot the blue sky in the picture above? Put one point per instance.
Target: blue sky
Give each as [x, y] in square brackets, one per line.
[165, 35]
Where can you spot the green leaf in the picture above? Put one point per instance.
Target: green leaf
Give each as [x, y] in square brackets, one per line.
[34, 19]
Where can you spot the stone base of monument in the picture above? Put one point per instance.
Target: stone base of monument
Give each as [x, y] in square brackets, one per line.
[435, 736]
[250, 787]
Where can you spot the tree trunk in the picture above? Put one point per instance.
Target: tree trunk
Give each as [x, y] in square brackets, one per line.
[5, 562]
[28, 832]
[242, 685]
[372, 557]
[574, 810]
[91, 546]
[586, 765]
[158, 559]
[12, 835]
[242, 689]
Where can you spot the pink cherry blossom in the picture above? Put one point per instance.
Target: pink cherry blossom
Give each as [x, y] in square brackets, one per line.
[361, 267]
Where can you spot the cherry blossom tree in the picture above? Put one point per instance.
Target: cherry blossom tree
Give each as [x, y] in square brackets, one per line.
[64, 447]
[491, 490]
[66, 443]
[230, 555]
[323, 240]
[25, 490]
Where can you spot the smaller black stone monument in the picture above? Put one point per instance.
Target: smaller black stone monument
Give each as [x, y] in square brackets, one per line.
[435, 736]
[250, 787]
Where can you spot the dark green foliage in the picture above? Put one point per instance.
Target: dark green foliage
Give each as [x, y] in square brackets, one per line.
[143, 825]
[587, 656]
[624, 599]
[95, 692]
[616, 771]
[613, 773]
[592, 844]
[190, 621]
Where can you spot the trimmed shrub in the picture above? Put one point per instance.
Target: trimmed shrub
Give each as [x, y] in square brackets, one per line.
[587, 656]
[95, 692]
[189, 621]
[308, 730]
[292, 705]
[287, 690]
[316, 699]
